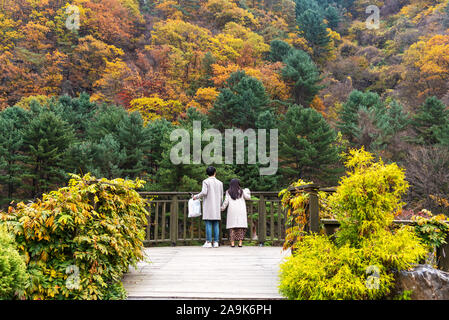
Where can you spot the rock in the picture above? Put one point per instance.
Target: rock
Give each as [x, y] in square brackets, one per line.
[425, 282]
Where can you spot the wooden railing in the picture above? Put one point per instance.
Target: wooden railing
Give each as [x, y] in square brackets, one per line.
[315, 224]
[168, 222]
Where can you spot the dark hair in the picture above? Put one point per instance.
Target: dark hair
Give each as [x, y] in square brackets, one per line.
[234, 189]
[210, 171]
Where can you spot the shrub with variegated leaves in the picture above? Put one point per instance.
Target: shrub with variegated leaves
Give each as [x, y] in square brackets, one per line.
[79, 240]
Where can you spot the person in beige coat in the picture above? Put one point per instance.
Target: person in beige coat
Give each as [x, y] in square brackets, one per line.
[237, 220]
[212, 194]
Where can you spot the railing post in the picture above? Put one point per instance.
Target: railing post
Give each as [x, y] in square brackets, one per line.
[314, 214]
[262, 232]
[174, 220]
[443, 256]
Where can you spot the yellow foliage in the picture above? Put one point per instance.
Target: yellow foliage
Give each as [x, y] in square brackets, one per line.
[152, 108]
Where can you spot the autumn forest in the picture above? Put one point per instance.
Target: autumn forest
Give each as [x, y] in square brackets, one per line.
[97, 86]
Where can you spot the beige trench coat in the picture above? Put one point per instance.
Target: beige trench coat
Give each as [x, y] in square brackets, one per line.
[237, 216]
[212, 194]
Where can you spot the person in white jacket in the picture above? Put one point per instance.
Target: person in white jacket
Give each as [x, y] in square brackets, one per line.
[237, 220]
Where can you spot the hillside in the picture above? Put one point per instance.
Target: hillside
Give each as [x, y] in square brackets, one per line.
[243, 64]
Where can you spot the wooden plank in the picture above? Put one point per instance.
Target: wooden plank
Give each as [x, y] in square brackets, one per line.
[279, 211]
[271, 221]
[181, 272]
[163, 220]
[184, 234]
[156, 222]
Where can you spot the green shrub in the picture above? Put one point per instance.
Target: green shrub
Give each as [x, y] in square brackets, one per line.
[13, 276]
[360, 264]
[79, 240]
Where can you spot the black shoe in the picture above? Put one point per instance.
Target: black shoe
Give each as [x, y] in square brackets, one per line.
[240, 246]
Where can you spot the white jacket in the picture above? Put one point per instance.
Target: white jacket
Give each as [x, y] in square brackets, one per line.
[212, 194]
[237, 215]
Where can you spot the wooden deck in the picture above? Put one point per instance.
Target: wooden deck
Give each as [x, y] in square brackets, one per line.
[206, 273]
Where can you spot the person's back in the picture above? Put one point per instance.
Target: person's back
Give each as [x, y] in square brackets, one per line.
[212, 194]
[237, 220]
[212, 198]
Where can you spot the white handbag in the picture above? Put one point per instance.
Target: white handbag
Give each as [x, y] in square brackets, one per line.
[194, 208]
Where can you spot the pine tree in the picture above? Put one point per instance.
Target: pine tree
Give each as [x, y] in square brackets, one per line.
[239, 104]
[394, 120]
[12, 123]
[278, 50]
[349, 117]
[75, 111]
[303, 5]
[302, 72]
[332, 16]
[250, 173]
[134, 140]
[107, 157]
[306, 146]
[185, 177]
[430, 120]
[46, 140]
[314, 30]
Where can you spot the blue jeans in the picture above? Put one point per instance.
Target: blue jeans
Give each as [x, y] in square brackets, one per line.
[212, 224]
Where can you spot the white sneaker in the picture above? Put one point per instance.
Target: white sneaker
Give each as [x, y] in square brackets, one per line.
[207, 244]
[216, 245]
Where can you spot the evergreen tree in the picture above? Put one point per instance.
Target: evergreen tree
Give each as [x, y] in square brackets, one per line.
[134, 139]
[394, 120]
[430, 120]
[314, 30]
[302, 72]
[332, 17]
[77, 112]
[302, 6]
[278, 50]
[46, 140]
[158, 130]
[12, 123]
[307, 146]
[349, 117]
[250, 173]
[239, 104]
[185, 177]
[107, 157]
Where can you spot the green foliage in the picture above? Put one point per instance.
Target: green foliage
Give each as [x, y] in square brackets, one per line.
[367, 197]
[46, 140]
[428, 123]
[302, 73]
[278, 50]
[239, 103]
[360, 264]
[314, 30]
[433, 231]
[307, 145]
[12, 122]
[349, 115]
[13, 276]
[81, 239]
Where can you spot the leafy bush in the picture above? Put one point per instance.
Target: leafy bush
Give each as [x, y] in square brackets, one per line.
[368, 196]
[433, 231]
[13, 276]
[296, 219]
[360, 264]
[79, 240]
